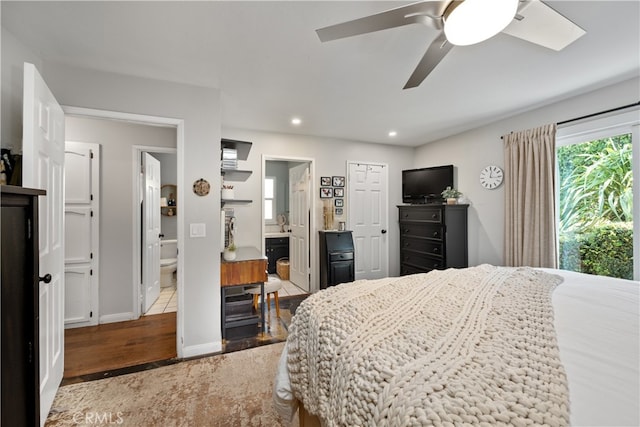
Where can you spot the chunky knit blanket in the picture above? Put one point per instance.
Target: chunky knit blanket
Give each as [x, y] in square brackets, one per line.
[473, 346]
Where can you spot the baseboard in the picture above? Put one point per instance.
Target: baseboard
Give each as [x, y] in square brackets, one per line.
[117, 317]
[201, 349]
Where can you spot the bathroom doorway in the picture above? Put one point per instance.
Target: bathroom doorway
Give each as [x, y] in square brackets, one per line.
[158, 215]
[288, 213]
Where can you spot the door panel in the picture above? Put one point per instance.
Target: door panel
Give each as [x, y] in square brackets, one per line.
[77, 282]
[77, 235]
[151, 227]
[299, 195]
[82, 225]
[43, 167]
[368, 219]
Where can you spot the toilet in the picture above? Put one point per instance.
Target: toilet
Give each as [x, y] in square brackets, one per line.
[168, 262]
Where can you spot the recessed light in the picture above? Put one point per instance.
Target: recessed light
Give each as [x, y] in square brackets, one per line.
[393, 133]
[296, 121]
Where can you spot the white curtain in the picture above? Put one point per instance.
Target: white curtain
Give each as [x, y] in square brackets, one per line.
[530, 232]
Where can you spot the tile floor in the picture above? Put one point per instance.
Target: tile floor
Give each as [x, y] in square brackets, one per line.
[168, 300]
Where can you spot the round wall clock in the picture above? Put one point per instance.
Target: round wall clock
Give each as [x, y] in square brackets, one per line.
[491, 177]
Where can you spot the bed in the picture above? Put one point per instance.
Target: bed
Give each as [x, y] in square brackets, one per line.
[479, 346]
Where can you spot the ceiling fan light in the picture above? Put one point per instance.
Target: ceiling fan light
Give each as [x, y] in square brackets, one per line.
[467, 22]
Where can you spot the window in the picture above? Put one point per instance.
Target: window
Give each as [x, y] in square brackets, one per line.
[270, 199]
[597, 196]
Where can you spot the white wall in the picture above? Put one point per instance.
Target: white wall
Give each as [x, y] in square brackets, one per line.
[116, 139]
[473, 150]
[330, 157]
[14, 54]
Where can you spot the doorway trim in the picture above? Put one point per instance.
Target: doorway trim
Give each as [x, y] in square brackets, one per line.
[179, 150]
[313, 228]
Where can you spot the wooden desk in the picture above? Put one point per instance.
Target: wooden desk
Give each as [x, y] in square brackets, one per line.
[248, 269]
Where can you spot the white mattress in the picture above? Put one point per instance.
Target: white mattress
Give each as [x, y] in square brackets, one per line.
[598, 330]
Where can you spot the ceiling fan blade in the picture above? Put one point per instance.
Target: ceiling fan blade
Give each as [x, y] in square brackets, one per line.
[437, 50]
[428, 11]
[540, 24]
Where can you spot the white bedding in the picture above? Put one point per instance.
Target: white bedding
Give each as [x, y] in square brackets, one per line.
[597, 326]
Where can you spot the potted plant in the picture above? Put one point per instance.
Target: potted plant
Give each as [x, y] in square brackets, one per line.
[451, 194]
[229, 253]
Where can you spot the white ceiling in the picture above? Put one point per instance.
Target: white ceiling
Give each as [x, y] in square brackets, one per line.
[270, 66]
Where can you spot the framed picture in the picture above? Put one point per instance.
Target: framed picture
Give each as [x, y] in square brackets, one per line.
[326, 192]
[338, 211]
[338, 181]
[325, 181]
[339, 203]
[338, 192]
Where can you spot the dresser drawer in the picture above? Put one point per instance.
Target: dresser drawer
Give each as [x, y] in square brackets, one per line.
[420, 260]
[432, 247]
[406, 269]
[420, 213]
[428, 231]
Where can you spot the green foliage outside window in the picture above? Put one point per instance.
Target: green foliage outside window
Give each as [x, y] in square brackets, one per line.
[596, 217]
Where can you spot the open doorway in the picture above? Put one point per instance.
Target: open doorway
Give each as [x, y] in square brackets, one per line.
[120, 265]
[288, 220]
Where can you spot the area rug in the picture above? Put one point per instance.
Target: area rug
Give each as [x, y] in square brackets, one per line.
[233, 389]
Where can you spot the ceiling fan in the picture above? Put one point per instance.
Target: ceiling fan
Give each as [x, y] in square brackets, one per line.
[465, 22]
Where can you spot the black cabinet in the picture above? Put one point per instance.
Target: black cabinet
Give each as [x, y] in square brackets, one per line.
[276, 248]
[432, 237]
[336, 258]
[19, 311]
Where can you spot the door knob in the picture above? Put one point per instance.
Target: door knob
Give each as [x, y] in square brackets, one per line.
[384, 231]
[160, 235]
[46, 278]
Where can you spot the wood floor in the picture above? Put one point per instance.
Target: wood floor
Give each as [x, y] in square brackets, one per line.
[115, 348]
[118, 345]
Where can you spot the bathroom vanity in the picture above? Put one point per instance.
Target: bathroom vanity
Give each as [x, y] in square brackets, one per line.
[249, 268]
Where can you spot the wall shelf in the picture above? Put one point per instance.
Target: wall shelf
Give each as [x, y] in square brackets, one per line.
[242, 147]
[235, 202]
[235, 175]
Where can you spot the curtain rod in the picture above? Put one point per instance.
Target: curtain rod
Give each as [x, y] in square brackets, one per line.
[599, 113]
[596, 114]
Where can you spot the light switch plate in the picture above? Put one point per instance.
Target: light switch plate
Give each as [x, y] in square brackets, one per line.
[197, 230]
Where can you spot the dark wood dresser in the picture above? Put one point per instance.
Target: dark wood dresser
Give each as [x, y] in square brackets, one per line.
[432, 237]
[19, 310]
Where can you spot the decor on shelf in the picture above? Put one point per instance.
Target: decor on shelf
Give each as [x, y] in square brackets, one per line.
[168, 203]
[227, 192]
[229, 253]
[201, 187]
[326, 192]
[451, 194]
[338, 181]
[327, 213]
[325, 181]
[338, 192]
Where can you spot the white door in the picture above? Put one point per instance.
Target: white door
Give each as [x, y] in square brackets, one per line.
[43, 167]
[81, 226]
[368, 211]
[151, 231]
[299, 221]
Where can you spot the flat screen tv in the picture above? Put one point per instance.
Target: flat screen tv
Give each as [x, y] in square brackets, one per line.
[425, 185]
